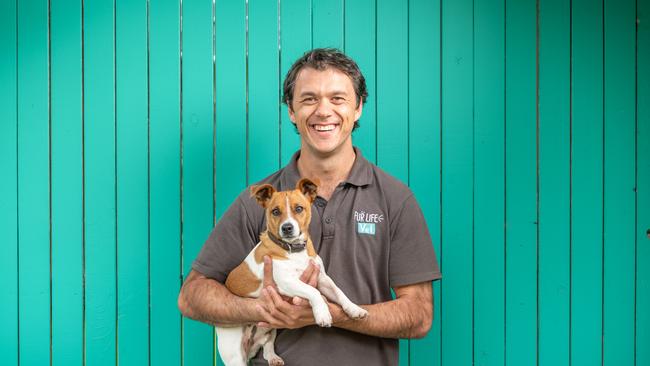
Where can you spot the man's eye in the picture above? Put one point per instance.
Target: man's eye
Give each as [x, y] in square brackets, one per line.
[298, 209]
[275, 212]
[309, 100]
[338, 99]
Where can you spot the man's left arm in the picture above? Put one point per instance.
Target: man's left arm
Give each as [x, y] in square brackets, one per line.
[409, 315]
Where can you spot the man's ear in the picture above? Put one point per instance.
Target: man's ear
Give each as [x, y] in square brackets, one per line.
[262, 193]
[308, 187]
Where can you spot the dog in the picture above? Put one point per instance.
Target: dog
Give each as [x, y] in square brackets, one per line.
[286, 241]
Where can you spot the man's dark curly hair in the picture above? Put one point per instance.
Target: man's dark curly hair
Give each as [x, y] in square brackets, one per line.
[321, 59]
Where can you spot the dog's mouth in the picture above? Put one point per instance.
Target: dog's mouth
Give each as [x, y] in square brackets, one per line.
[294, 239]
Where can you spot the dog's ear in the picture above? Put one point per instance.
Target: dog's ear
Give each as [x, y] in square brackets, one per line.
[308, 187]
[262, 193]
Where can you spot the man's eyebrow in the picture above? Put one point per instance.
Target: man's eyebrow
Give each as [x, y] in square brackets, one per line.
[334, 92]
[307, 94]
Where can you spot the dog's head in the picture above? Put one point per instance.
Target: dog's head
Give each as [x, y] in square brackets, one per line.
[288, 213]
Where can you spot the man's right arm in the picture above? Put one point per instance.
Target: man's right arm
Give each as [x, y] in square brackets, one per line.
[206, 300]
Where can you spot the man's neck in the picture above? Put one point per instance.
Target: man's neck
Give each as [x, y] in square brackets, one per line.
[330, 170]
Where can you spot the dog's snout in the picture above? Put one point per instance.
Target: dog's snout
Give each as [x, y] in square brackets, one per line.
[287, 229]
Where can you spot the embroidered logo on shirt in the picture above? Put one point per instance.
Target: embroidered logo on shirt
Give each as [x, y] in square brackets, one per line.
[366, 222]
[366, 228]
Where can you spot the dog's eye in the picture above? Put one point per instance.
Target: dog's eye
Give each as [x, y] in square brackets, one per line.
[299, 209]
[275, 212]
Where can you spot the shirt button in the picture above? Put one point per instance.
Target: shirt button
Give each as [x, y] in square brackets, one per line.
[328, 220]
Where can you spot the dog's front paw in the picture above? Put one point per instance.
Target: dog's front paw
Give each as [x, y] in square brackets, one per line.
[355, 312]
[276, 361]
[322, 316]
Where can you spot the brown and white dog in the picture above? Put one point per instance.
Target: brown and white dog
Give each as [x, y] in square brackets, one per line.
[286, 240]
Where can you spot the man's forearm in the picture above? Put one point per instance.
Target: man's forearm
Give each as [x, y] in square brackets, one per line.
[209, 301]
[408, 316]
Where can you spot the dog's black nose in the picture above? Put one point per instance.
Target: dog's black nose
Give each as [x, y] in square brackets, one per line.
[287, 229]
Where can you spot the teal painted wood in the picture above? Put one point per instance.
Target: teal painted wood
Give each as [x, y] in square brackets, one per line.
[197, 159]
[360, 44]
[554, 182]
[132, 130]
[489, 182]
[9, 185]
[392, 98]
[67, 184]
[328, 19]
[643, 185]
[587, 183]
[619, 197]
[99, 183]
[457, 181]
[424, 146]
[643, 182]
[165, 178]
[521, 186]
[33, 185]
[264, 90]
[392, 88]
[295, 40]
[231, 104]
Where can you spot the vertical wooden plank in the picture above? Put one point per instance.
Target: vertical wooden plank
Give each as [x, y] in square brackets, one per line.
[587, 182]
[165, 179]
[424, 146]
[9, 185]
[328, 23]
[489, 182]
[132, 182]
[360, 44]
[231, 99]
[33, 184]
[295, 40]
[392, 98]
[197, 158]
[263, 90]
[643, 184]
[554, 182]
[99, 165]
[521, 188]
[67, 184]
[230, 102]
[392, 88]
[619, 183]
[457, 180]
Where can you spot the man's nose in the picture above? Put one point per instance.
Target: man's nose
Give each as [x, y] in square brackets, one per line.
[324, 108]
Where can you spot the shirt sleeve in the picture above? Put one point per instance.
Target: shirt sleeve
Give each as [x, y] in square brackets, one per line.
[234, 236]
[412, 257]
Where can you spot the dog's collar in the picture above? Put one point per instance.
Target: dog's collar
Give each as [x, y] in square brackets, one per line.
[291, 248]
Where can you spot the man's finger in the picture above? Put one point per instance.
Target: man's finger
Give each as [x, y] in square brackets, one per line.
[268, 272]
[307, 273]
[313, 279]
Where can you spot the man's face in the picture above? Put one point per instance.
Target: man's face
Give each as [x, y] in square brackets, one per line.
[324, 108]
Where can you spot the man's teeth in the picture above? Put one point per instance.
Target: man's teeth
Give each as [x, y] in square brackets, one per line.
[324, 127]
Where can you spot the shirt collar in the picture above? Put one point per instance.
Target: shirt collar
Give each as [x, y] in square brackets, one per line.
[360, 174]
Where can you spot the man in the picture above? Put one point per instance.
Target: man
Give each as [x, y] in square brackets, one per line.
[366, 226]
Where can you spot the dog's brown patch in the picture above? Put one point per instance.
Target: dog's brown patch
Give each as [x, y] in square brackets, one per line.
[241, 281]
[310, 248]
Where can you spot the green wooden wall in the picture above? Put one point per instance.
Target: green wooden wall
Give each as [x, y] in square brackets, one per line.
[523, 126]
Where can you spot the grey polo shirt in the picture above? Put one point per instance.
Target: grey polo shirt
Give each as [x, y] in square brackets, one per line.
[371, 235]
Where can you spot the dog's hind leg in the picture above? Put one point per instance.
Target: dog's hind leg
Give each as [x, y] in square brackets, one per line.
[269, 351]
[230, 342]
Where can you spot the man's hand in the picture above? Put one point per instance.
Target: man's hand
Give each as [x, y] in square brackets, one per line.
[280, 311]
